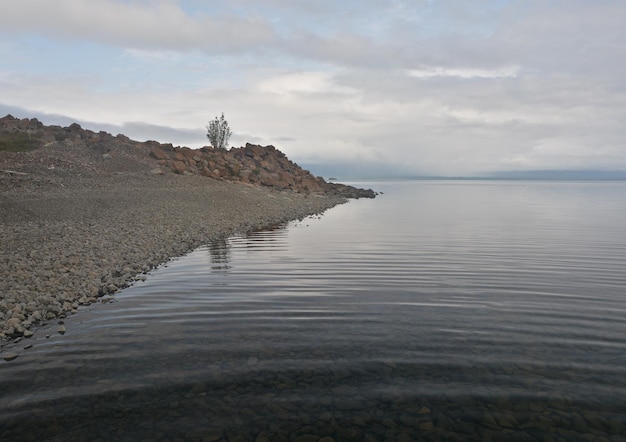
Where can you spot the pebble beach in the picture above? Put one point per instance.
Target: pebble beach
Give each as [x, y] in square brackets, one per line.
[69, 244]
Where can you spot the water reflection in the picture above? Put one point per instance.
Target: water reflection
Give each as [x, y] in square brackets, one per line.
[219, 249]
[264, 240]
[477, 317]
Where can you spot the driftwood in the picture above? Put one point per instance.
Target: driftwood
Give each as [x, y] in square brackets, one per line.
[13, 172]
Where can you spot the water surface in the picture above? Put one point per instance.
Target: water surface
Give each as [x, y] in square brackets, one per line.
[440, 310]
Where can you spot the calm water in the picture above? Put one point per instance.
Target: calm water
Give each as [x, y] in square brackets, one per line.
[440, 310]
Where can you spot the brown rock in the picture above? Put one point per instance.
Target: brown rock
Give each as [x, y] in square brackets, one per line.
[258, 151]
[310, 185]
[282, 185]
[159, 154]
[187, 153]
[269, 180]
[178, 167]
[287, 177]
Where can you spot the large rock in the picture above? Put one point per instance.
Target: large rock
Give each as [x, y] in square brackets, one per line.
[270, 180]
[187, 153]
[159, 154]
[179, 167]
[9, 356]
[310, 185]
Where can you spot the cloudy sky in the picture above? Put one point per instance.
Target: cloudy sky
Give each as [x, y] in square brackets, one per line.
[436, 87]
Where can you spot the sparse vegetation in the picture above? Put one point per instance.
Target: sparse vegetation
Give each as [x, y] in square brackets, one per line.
[218, 132]
[18, 142]
[233, 169]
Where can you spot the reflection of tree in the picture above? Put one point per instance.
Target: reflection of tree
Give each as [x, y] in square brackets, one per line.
[220, 255]
[269, 238]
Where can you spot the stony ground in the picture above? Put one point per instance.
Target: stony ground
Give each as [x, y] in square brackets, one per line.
[69, 239]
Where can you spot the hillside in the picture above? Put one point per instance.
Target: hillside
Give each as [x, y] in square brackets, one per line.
[34, 154]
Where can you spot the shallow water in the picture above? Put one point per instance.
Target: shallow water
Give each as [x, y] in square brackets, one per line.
[440, 310]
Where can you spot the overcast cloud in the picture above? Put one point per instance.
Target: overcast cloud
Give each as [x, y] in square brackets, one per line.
[425, 86]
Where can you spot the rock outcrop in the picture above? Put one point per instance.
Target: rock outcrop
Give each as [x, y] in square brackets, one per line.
[28, 146]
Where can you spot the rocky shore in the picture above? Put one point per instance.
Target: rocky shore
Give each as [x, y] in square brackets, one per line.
[80, 221]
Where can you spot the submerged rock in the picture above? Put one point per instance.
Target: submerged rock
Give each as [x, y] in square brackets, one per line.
[9, 356]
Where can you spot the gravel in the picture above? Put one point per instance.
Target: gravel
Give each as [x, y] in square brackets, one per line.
[66, 245]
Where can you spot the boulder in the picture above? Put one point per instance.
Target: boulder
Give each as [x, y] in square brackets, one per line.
[187, 153]
[309, 185]
[159, 154]
[9, 356]
[270, 180]
[286, 177]
[179, 167]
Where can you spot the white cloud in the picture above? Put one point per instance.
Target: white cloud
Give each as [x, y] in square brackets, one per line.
[469, 72]
[301, 83]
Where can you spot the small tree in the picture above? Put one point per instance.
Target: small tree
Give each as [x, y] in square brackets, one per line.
[218, 132]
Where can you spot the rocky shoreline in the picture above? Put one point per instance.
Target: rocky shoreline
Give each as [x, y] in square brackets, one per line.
[84, 214]
[71, 246]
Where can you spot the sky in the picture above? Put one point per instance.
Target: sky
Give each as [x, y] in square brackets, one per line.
[421, 87]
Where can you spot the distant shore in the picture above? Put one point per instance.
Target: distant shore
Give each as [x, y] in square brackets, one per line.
[63, 247]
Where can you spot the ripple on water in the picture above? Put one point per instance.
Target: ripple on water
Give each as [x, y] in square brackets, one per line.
[437, 311]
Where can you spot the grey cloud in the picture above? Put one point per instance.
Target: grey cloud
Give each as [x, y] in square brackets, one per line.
[155, 25]
[558, 35]
[573, 38]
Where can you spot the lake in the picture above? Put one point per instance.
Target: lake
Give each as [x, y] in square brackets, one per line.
[441, 310]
